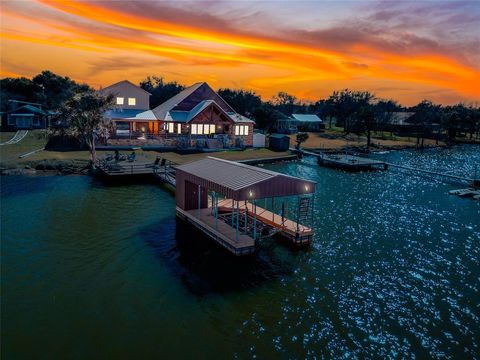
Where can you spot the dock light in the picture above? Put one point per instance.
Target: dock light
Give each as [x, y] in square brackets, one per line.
[250, 193]
[307, 187]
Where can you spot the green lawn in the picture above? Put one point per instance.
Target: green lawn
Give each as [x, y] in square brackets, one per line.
[10, 153]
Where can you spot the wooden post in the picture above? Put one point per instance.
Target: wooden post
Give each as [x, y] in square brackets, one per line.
[238, 217]
[312, 212]
[254, 220]
[246, 218]
[233, 213]
[199, 198]
[216, 210]
[273, 209]
[298, 213]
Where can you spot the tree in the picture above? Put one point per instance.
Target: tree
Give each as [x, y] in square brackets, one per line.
[301, 138]
[46, 88]
[365, 122]
[346, 103]
[384, 110]
[426, 113]
[266, 116]
[284, 102]
[161, 91]
[53, 89]
[244, 102]
[84, 114]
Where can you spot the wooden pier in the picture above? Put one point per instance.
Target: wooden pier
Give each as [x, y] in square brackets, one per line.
[345, 161]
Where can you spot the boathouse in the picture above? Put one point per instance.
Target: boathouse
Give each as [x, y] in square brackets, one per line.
[237, 204]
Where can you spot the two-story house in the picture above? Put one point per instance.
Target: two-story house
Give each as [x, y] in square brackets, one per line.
[130, 100]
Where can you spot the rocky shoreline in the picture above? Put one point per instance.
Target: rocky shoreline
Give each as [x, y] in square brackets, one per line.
[48, 167]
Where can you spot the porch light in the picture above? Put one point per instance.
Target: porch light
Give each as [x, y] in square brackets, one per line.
[250, 193]
[307, 188]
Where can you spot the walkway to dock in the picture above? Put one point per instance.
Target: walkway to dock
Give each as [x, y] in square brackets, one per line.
[267, 218]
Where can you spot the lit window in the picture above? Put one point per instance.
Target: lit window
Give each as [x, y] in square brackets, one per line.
[212, 128]
[241, 130]
[170, 127]
[194, 129]
[120, 100]
[179, 128]
[200, 129]
[132, 101]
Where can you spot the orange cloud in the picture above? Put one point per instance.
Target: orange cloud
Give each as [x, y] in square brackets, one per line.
[220, 51]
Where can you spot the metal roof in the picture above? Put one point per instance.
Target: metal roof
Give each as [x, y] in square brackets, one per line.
[306, 118]
[242, 181]
[145, 115]
[122, 113]
[230, 174]
[161, 110]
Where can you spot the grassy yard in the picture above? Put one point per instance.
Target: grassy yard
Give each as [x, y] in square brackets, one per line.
[9, 154]
[317, 141]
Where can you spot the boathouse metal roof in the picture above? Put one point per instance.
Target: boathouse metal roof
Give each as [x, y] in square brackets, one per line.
[239, 181]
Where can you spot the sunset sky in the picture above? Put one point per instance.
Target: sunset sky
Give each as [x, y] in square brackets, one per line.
[397, 49]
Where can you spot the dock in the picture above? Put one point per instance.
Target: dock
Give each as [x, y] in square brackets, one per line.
[222, 199]
[345, 161]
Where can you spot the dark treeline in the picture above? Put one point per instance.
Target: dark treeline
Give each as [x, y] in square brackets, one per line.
[359, 112]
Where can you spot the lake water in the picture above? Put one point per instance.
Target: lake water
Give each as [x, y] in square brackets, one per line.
[91, 271]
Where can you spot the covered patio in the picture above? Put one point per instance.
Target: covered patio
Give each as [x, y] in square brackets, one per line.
[237, 204]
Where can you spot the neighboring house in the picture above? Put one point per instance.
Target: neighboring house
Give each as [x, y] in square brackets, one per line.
[25, 117]
[286, 125]
[401, 118]
[130, 100]
[308, 122]
[195, 114]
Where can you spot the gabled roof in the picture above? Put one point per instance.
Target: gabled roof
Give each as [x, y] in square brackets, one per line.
[190, 98]
[307, 118]
[161, 110]
[27, 108]
[125, 82]
[237, 180]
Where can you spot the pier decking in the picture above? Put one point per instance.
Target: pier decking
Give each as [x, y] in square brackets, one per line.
[346, 162]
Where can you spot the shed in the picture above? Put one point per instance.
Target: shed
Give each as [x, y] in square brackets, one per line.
[279, 142]
[258, 140]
